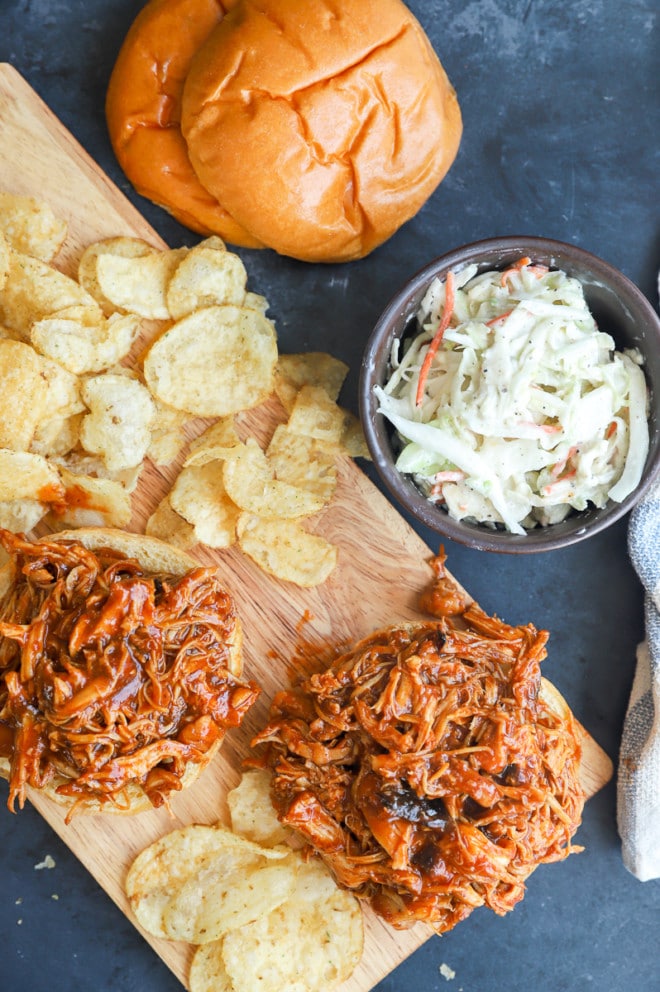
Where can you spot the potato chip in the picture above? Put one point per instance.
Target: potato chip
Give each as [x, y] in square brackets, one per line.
[249, 482]
[283, 549]
[138, 285]
[21, 515]
[83, 340]
[23, 396]
[219, 441]
[353, 442]
[4, 264]
[166, 524]
[80, 462]
[31, 226]
[207, 276]
[92, 502]
[227, 894]
[214, 362]
[303, 462]
[199, 496]
[310, 943]
[251, 810]
[256, 302]
[207, 970]
[124, 247]
[118, 426]
[316, 415]
[33, 290]
[64, 398]
[167, 436]
[56, 436]
[313, 368]
[161, 869]
[27, 476]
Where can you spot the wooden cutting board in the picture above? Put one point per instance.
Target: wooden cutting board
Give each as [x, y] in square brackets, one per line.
[368, 589]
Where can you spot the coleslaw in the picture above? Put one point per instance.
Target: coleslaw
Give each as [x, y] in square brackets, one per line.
[511, 407]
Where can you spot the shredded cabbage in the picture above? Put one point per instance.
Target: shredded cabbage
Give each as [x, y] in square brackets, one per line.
[527, 412]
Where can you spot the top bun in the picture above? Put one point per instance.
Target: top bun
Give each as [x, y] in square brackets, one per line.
[320, 126]
[143, 109]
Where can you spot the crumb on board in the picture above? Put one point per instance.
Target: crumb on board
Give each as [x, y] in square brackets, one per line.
[48, 862]
[447, 972]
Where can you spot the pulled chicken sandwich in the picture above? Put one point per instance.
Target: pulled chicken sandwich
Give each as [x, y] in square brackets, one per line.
[431, 766]
[120, 663]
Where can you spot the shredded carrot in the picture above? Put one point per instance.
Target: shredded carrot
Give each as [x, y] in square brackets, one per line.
[437, 339]
[496, 320]
[610, 430]
[516, 267]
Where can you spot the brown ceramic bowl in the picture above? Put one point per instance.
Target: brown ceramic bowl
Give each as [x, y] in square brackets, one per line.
[619, 309]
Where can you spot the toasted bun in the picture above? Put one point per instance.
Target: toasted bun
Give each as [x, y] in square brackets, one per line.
[155, 557]
[320, 127]
[143, 105]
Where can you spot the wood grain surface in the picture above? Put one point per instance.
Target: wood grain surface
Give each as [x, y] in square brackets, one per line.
[369, 589]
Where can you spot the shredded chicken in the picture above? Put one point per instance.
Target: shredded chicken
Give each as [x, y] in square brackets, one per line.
[111, 677]
[425, 767]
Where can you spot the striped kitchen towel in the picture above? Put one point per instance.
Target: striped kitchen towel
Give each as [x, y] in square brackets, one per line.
[638, 784]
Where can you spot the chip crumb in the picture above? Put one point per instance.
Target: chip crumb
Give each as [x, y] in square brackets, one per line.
[48, 862]
[447, 972]
[18, 922]
[18, 901]
[55, 896]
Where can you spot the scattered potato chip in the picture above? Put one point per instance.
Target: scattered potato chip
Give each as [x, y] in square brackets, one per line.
[256, 302]
[31, 226]
[199, 496]
[310, 943]
[249, 482]
[165, 866]
[353, 442]
[303, 462]
[21, 515]
[4, 266]
[79, 462]
[124, 247]
[219, 441]
[214, 362]
[64, 398]
[314, 368]
[56, 436]
[283, 549]
[138, 285]
[24, 475]
[315, 414]
[33, 290]
[251, 810]
[167, 437]
[166, 524]
[92, 502]
[228, 893]
[207, 970]
[118, 426]
[23, 394]
[83, 340]
[207, 276]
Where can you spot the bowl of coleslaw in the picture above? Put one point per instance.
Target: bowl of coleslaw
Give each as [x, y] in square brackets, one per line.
[509, 395]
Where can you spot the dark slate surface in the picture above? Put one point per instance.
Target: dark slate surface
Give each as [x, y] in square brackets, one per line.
[562, 115]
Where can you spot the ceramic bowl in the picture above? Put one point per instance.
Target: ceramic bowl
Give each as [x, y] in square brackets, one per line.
[619, 308]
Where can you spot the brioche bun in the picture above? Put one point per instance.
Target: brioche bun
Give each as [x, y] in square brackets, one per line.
[156, 558]
[320, 127]
[143, 105]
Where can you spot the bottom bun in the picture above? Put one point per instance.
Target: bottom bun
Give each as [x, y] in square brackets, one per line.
[198, 732]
